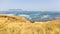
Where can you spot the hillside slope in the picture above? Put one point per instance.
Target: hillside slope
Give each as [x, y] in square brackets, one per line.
[19, 25]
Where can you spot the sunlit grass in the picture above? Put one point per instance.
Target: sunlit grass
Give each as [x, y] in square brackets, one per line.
[22, 26]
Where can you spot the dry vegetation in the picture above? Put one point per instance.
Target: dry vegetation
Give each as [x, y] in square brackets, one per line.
[19, 25]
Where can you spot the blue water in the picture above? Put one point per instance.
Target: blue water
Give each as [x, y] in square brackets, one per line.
[34, 15]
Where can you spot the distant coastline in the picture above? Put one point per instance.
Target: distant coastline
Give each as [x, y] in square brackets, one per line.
[34, 15]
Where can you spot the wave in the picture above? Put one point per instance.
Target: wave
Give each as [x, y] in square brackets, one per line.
[45, 16]
[25, 16]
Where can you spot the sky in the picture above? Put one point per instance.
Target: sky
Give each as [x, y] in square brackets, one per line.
[33, 5]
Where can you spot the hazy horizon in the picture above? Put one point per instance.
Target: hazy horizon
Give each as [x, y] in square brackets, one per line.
[31, 5]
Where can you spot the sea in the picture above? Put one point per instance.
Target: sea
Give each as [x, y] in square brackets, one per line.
[34, 15]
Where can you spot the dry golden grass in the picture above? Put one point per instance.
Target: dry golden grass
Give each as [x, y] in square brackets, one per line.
[19, 25]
